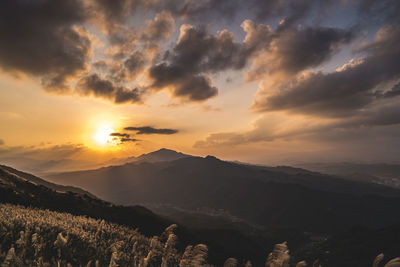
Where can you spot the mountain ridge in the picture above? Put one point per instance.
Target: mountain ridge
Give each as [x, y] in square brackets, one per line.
[317, 202]
[20, 191]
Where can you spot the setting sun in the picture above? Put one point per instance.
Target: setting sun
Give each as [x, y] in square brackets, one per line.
[102, 136]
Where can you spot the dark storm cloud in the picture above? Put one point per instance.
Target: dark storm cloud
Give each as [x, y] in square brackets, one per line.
[95, 85]
[39, 38]
[346, 90]
[120, 135]
[150, 130]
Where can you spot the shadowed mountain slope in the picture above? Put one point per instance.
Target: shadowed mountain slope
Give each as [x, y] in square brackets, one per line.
[312, 202]
[162, 154]
[15, 189]
[27, 191]
[38, 181]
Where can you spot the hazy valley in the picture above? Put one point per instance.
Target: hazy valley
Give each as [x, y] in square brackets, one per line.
[238, 210]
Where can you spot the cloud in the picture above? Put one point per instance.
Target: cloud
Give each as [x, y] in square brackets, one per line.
[345, 91]
[384, 115]
[39, 153]
[50, 41]
[126, 71]
[151, 130]
[159, 29]
[120, 135]
[395, 91]
[228, 10]
[185, 68]
[195, 55]
[275, 127]
[114, 11]
[289, 50]
[1, 142]
[220, 140]
[124, 140]
[384, 11]
[95, 85]
[40, 38]
[46, 158]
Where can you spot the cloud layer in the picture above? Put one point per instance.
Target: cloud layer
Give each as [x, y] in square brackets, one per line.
[346, 90]
[40, 38]
[150, 130]
[325, 70]
[50, 40]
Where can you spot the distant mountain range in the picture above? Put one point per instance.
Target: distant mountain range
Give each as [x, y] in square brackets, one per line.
[379, 173]
[162, 154]
[238, 210]
[42, 166]
[275, 197]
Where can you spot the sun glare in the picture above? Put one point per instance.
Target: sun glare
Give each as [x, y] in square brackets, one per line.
[102, 136]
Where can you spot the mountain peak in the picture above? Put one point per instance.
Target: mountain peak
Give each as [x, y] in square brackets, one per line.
[163, 154]
[209, 157]
[163, 150]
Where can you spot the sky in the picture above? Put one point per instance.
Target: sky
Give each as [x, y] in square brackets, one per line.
[85, 83]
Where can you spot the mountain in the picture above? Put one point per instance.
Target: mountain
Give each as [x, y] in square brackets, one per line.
[259, 195]
[379, 173]
[162, 154]
[19, 188]
[225, 234]
[38, 181]
[41, 166]
[16, 189]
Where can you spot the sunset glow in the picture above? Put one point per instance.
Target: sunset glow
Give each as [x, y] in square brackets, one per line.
[267, 82]
[102, 136]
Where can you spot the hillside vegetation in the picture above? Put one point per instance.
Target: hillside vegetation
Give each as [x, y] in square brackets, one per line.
[35, 237]
[15, 189]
